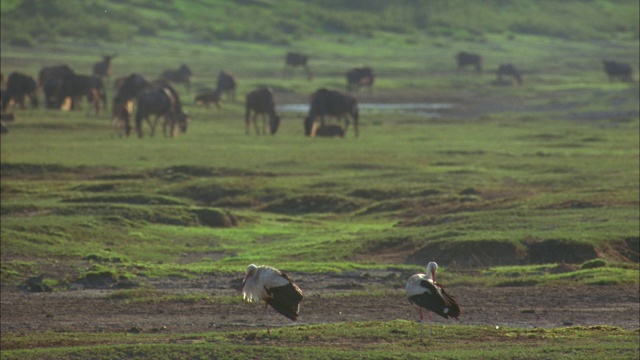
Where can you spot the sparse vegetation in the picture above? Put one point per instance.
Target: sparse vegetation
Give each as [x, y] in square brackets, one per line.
[532, 186]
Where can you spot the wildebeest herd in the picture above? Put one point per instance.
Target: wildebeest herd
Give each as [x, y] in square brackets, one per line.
[63, 88]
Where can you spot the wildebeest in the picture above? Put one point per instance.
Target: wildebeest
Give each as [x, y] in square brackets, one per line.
[261, 101]
[293, 60]
[313, 129]
[20, 87]
[102, 68]
[53, 72]
[121, 108]
[359, 77]
[326, 102]
[182, 75]
[509, 70]
[76, 86]
[128, 87]
[227, 84]
[209, 97]
[465, 59]
[616, 70]
[161, 101]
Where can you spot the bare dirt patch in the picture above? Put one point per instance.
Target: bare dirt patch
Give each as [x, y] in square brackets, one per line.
[326, 300]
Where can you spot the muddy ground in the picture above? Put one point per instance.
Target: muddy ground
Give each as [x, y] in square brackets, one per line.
[92, 310]
[88, 310]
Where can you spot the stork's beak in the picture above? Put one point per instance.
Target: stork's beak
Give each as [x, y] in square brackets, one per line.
[433, 276]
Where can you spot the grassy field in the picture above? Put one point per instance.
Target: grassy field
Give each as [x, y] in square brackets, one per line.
[391, 340]
[511, 180]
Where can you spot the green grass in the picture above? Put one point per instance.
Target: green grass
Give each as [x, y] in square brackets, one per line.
[539, 189]
[359, 340]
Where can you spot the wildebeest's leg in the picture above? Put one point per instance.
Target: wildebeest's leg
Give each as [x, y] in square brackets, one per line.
[247, 124]
[153, 126]
[255, 123]
[314, 129]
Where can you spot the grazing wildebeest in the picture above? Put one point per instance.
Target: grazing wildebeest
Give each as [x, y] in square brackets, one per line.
[294, 59]
[333, 103]
[261, 101]
[209, 97]
[130, 86]
[227, 84]
[127, 89]
[76, 86]
[465, 59]
[182, 75]
[616, 70]
[161, 101]
[359, 77]
[313, 129]
[50, 80]
[509, 70]
[53, 72]
[120, 110]
[20, 87]
[102, 68]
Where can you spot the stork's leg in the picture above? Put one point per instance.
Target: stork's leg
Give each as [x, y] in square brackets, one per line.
[421, 325]
[429, 321]
[266, 310]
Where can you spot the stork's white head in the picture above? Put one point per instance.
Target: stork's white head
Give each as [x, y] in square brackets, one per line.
[432, 267]
[251, 269]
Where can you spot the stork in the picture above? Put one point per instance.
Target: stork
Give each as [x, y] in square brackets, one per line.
[273, 287]
[423, 291]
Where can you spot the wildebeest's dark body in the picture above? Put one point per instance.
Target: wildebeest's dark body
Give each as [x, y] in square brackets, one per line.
[619, 71]
[130, 86]
[160, 101]
[326, 102]
[509, 70]
[227, 84]
[76, 86]
[359, 77]
[53, 72]
[327, 130]
[182, 75]
[209, 97]
[19, 87]
[293, 60]
[102, 68]
[261, 101]
[465, 59]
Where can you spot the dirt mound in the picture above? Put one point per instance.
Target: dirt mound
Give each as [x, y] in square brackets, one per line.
[207, 194]
[375, 194]
[559, 251]
[133, 215]
[312, 204]
[469, 253]
[201, 171]
[134, 199]
[97, 280]
[215, 217]
[50, 170]
[533, 251]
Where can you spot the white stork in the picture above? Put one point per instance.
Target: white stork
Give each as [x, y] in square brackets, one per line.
[423, 291]
[275, 288]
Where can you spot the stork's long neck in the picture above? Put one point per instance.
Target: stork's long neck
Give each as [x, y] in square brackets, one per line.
[431, 272]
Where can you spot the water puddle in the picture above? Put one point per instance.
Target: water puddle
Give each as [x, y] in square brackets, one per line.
[426, 110]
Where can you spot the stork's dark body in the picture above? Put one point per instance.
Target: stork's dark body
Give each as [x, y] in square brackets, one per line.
[285, 300]
[435, 299]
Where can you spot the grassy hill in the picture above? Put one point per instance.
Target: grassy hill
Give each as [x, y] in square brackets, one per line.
[29, 22]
